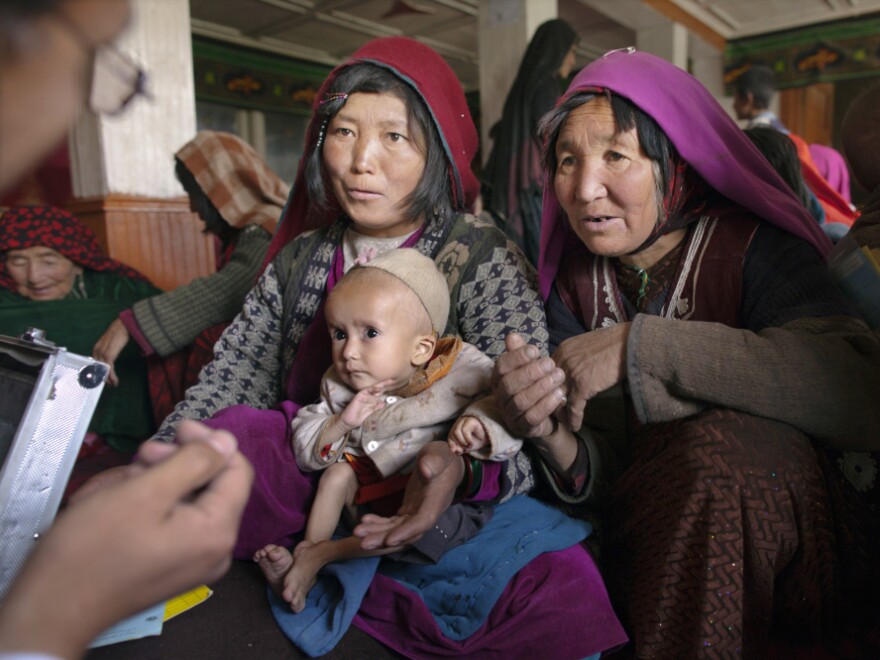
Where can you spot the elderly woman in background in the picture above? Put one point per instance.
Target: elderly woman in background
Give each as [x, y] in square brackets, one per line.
[53, 276]
[240, 199]
[701, 339]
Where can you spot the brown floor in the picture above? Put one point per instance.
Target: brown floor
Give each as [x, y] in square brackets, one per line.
[234, 623]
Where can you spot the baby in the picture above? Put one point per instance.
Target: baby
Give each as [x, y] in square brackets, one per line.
[394, 387]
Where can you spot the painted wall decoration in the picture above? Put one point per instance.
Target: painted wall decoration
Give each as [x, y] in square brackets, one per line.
[254, 80]
[820, 53]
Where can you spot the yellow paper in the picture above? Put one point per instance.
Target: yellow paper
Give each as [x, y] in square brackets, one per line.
[186, 601]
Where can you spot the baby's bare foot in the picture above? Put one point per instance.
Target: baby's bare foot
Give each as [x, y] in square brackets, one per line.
[275, 562]
[308, 559]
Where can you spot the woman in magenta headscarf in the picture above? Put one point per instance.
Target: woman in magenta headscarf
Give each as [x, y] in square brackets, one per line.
[687, 293]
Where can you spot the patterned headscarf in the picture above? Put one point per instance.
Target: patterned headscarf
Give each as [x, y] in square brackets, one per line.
[239, 183]
[706, 138]
[23, 227]
[434, 80]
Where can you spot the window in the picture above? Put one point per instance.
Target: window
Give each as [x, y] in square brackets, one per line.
[277, 136]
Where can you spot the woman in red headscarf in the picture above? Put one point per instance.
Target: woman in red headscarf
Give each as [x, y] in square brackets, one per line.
[386, 165]
[53, 276]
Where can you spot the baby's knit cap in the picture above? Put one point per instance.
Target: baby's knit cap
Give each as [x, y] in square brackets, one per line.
[420, 274]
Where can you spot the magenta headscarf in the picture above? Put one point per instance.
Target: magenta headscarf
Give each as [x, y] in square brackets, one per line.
[435, 81]
[705, 136]
[832, 165]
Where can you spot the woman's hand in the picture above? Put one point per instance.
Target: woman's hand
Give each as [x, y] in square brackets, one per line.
[528, 388]
[110, 345]
[592, 362]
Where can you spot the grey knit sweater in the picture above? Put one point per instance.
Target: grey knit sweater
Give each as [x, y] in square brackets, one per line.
[493, 292]
[172, 320]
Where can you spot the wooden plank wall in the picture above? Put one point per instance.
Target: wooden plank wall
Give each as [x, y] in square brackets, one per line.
[161, 238]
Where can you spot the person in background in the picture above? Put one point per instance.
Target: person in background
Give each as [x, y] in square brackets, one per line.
[831, 164]
[170, 524]
[753, 93]
[781, 153]
[782, 156]
[512, 179]
[860, 138]
[240, 200]
[54, 276]
[779, 149]
[860, 135]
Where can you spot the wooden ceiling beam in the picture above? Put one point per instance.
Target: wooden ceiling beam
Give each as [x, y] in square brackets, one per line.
[675, 13]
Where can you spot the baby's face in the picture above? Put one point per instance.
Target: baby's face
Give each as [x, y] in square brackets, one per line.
[375, 326]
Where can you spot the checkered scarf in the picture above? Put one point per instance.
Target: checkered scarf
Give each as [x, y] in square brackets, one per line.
[237, 181]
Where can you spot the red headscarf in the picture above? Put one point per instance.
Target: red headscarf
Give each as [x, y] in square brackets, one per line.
[23, 227]
[432, 78]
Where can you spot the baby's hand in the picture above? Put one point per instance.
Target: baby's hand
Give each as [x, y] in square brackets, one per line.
[467, 435]
[364, 404]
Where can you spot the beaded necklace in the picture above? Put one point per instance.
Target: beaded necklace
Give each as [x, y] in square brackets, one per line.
[644, 284]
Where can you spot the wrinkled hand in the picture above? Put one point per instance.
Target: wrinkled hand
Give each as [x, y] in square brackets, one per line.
[169, 526]
[110, 345]
[592, 362]
[467, 435]
[364, 404]
[529, 388]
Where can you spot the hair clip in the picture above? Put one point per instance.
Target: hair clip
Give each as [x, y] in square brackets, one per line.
[321, 132]
[329, 98]
[629, 50]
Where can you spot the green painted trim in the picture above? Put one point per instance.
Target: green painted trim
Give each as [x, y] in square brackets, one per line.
[251, 105]
[246, 58]
[262, 81]
[825, 53]
[837, 31]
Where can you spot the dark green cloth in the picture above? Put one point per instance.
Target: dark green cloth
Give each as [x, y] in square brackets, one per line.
[124, 416]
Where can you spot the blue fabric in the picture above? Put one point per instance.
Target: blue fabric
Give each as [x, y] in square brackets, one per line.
[460, 590]
[463, 587]
[330, 606]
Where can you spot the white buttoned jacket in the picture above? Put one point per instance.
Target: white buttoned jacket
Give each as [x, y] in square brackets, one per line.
[392, 437]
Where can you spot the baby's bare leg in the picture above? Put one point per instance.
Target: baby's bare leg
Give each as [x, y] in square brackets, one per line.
[429, 492]
[310, 558]
[336, 489]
